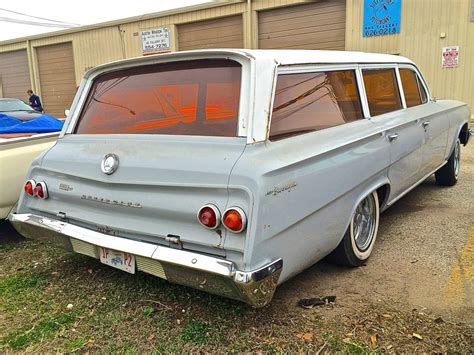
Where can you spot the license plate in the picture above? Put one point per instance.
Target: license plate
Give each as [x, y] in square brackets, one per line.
[118, 259]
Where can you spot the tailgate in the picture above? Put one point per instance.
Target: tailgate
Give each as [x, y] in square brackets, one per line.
[160, 184]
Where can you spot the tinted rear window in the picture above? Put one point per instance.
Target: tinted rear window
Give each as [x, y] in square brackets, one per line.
[198, 97]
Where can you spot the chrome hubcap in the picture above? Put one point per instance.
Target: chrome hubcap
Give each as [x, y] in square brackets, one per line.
[364, 223]
[457, 158]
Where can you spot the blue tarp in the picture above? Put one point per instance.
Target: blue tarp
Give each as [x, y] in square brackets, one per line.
[43, 124]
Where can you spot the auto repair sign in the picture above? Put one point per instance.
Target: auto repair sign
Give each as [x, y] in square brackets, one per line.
[156, 40]
[381, 17]
[450, 57]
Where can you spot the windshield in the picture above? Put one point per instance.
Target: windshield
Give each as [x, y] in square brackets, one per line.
[199, 97]
[13, 105]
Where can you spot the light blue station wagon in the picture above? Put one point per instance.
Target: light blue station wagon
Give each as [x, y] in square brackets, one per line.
[231, 171]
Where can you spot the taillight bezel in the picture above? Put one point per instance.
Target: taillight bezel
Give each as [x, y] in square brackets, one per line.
[243, 218]
[216, 211]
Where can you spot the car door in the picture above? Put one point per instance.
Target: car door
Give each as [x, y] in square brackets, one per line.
[402, 129]
[432, 119]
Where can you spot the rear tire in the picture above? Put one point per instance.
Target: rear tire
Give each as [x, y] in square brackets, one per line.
[358, 241]
[448, 174]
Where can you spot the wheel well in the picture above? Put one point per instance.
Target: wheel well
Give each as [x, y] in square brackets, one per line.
[382, 193]
[464, 134]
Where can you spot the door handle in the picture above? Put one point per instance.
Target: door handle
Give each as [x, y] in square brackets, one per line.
[425, 124]
[392, 137]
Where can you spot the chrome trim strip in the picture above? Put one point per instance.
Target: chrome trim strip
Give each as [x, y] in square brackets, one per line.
[5, 141]
[414, 185]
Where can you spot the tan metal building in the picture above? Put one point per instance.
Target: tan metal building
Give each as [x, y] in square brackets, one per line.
[53, 64]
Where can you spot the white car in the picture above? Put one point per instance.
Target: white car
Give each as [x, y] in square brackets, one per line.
[17, 151]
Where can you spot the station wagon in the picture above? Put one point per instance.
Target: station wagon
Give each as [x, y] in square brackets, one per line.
[231, 171]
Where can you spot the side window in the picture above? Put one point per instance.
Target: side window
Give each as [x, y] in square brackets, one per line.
[314, 101]
[414, 91]
[423, 93]
[382, 91]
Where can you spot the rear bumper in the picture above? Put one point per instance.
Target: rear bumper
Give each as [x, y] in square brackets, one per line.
[210, 274]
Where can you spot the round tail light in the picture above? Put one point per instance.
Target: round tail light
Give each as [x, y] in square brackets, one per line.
[234, 219]
[41, 190]
[29, 187]
[209, 216]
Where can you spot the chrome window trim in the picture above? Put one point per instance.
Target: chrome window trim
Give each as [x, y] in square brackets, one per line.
[363, 94]
[400, 88]
[302, 69]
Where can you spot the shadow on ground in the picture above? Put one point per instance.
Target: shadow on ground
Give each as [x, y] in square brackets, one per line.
[8, 234]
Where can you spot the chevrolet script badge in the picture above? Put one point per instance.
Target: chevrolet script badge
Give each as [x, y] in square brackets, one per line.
[109, 164]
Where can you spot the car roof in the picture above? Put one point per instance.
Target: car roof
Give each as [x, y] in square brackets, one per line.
[303, 56]
[277, 56]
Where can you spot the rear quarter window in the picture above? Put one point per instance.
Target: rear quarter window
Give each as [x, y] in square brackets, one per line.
[309, 102]
[413, 90]
[199, 97]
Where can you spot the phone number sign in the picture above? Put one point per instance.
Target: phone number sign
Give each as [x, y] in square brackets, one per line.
[381, 17]
[156, 40]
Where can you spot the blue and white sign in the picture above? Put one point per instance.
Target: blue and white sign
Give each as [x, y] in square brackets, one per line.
[381, 17]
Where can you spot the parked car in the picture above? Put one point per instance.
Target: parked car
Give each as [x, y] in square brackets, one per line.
[16, 154]
[17, 109]
[230, 171]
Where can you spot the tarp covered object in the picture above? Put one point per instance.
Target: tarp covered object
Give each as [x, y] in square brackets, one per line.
[42, 124]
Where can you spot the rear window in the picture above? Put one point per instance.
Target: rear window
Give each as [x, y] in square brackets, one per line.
[199, 97]
[313, 101]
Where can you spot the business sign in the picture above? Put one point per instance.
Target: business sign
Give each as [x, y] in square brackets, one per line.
[156, 40]
[381, 17]
[450, 57]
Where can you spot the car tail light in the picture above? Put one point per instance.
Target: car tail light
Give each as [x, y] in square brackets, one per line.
[41, 190]
[234, 219]
[209, 216]
[29, 187]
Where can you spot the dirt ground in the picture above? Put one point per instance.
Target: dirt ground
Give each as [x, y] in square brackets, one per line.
[416, 294]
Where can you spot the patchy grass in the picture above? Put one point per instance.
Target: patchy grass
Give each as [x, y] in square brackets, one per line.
[21, 282]
[52, 301]
[41, 331]
[196, 332]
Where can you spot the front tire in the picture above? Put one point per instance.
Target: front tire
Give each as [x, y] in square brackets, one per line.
[358, 241]
[448, 175]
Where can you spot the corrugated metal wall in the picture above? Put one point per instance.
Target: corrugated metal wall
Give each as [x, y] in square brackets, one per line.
[14, 74]
[422, 25]
[422, 21]
[319, 25]
[223, 32]
[56, 72]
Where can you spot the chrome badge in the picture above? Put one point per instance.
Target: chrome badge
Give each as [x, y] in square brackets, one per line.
[109, 164]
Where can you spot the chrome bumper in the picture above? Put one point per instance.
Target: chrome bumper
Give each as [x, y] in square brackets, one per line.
[210, 274]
